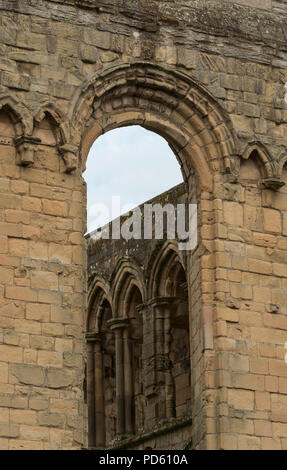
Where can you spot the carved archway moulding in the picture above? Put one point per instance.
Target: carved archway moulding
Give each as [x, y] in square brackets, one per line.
[165, 101]
[98, 291]
[164, 257]
[271, 167]
[126, 273]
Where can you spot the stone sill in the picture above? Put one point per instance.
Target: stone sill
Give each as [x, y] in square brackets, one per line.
[131, 442]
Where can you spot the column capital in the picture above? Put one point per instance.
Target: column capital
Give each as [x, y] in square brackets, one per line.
[92, 336]
[141, 307]
[117, 323]
[162, 300]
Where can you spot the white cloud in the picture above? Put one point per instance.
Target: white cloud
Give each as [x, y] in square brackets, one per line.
[132, 163]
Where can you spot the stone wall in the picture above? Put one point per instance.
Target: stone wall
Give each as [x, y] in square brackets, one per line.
[209, 76]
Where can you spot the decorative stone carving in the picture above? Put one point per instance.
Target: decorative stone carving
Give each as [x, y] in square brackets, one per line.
[273, 183]
[118, 322]
[69, 154]
[26, 146]
[232, 168]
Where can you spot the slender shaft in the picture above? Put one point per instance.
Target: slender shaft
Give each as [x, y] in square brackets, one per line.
[120, 382]
[129, 425]
[91, 394]
[99, 396]
[169, 388]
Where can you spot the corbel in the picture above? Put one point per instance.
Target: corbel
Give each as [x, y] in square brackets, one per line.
[69, 154]
[232, 168]
[26, 146]
[274, 183]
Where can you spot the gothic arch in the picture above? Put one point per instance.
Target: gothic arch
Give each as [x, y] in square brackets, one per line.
[125, 275]
[50, 111]
[159, 99]
[18, 114]
[100, 365]
[263, 155]
[166, 255]
[50, 120]
[98, 292]
[168, 290]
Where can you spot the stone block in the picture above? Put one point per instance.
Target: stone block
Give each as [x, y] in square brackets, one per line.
[50, 358]
[44, 280]
[29, 374]
[272, 220]
[51, 419]
[233, 213]
[100, 39]
[11, 353]
[89, 54]
[55, 208]
[241, 399]
[59, 378]
[28, 417]
[9, 430]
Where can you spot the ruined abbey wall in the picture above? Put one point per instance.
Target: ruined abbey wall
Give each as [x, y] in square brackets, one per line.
[209, 76]
[140, 282]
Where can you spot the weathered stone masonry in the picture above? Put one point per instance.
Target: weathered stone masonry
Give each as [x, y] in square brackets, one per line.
[138, 363]
[209, 76]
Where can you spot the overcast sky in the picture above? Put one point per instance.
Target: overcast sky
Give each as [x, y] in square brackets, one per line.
[131, 163]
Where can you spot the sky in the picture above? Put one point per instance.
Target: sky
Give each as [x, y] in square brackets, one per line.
[129, 163]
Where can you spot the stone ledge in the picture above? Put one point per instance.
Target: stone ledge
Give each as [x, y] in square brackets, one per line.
[213, 17]
[166, 428]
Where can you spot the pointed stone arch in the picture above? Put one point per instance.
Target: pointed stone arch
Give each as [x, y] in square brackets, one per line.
[50, 111]
[60, 129]
[98, 291]
[263, 156]
[168, 291]
[268, 167]
[100, 350]
[160, 99]
[169, 250]
[126, 273]
[18, 114]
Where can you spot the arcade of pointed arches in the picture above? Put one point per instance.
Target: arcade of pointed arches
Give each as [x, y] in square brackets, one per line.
[138, 361]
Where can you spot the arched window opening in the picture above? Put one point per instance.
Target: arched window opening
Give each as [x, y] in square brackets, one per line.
[134, 385]
[122, 164]
[252, 168]
[172, 313]
[128, 329]
[46, 131]
[109, 373]
[179, 348]
[7, 127]
[100, 373]
[135, 339]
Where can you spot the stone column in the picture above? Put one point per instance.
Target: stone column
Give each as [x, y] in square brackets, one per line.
[90, 390]
[99, 393]
[118, 324]
[169, 386]
[148, 349]
[162, 308]
[95, 391]
[129, 421]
